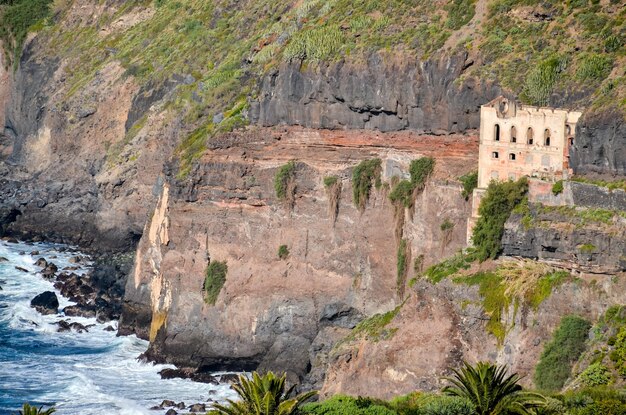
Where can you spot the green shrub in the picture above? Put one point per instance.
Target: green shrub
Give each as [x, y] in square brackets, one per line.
[283, 181]
[374, 328]
[557, 188]
[402, 266]
[317, 44]
[446, 225]
[420, 170]
[587, 248]
[541, 79]
[595, 375]
[347, 405]
[493, 292]
[447, 267]
[594, 68]
[402, 193]
[215, 277]
[618, 355]
[447, 405]
[460, 12]
[330, 181]
[495, 208]
[363, 175]
[612, 44]
[559, 355]
[470, 182]
[16, 18]
[283, 252]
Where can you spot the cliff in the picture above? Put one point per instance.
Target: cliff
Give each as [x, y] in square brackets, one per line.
[271, 311]
[157, 128]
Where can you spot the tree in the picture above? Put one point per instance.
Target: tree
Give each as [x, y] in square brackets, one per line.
[33, 410]
[262, 395]
[491, 391]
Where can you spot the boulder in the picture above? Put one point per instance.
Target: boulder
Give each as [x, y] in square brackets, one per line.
[79, 311]
[46, 303]
[42, 263]
[21, 269]
[198, 407]
[50, 271]
[167, 403]
[3, 259]
[171, 412]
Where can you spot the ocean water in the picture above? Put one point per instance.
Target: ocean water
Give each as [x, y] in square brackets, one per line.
[79, 373]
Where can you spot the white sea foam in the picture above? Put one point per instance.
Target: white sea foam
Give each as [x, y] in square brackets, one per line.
[81, 373]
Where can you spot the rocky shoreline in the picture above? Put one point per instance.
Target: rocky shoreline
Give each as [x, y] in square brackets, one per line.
[97, 295]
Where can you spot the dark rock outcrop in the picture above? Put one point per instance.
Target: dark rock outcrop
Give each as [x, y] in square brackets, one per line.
[189, 373]
[556, 236]
[46, 303]
[600, 145]
[378, 94]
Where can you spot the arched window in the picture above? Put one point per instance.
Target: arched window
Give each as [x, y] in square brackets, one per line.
[495, 155]
[546, 137]
[529, 136]
[512, 156]
[496, 132]
[513, 135]
[571, 141]
[568, 129]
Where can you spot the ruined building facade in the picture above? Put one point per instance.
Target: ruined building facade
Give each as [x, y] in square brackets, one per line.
[518, 140]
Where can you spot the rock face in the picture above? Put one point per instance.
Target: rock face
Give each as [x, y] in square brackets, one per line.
[270, 311]
[600, 145]
[440, 325]
[381, 93]
[556, 235]
[46, 303]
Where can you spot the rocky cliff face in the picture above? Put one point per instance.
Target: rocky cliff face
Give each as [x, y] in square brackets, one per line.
[381, 93]
[562, 236]
[443, 324]
[73, 166]
[271, 312]
[88, 159]
[600, 145]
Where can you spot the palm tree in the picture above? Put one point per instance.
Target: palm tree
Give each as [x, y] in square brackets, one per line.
[262, 395]
[33, 410]
[491, 391]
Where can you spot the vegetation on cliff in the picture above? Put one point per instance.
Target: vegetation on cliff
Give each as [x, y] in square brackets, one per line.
[214, 279]
[470, 182]
[17, 17]
[604, 359]
[285, 182]
[333, 187]
[558, 357]
[495, 208]
[405, 191]
[543, 51]
[513, 283]
[364, 175]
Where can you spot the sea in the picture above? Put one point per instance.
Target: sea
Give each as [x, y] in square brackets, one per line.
[93, 372]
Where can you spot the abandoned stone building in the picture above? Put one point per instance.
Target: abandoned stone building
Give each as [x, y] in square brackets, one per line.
[519, 140]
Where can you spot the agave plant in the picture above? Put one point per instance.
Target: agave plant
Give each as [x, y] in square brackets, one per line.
[33, 410]
[262, 395]
[491, 391]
